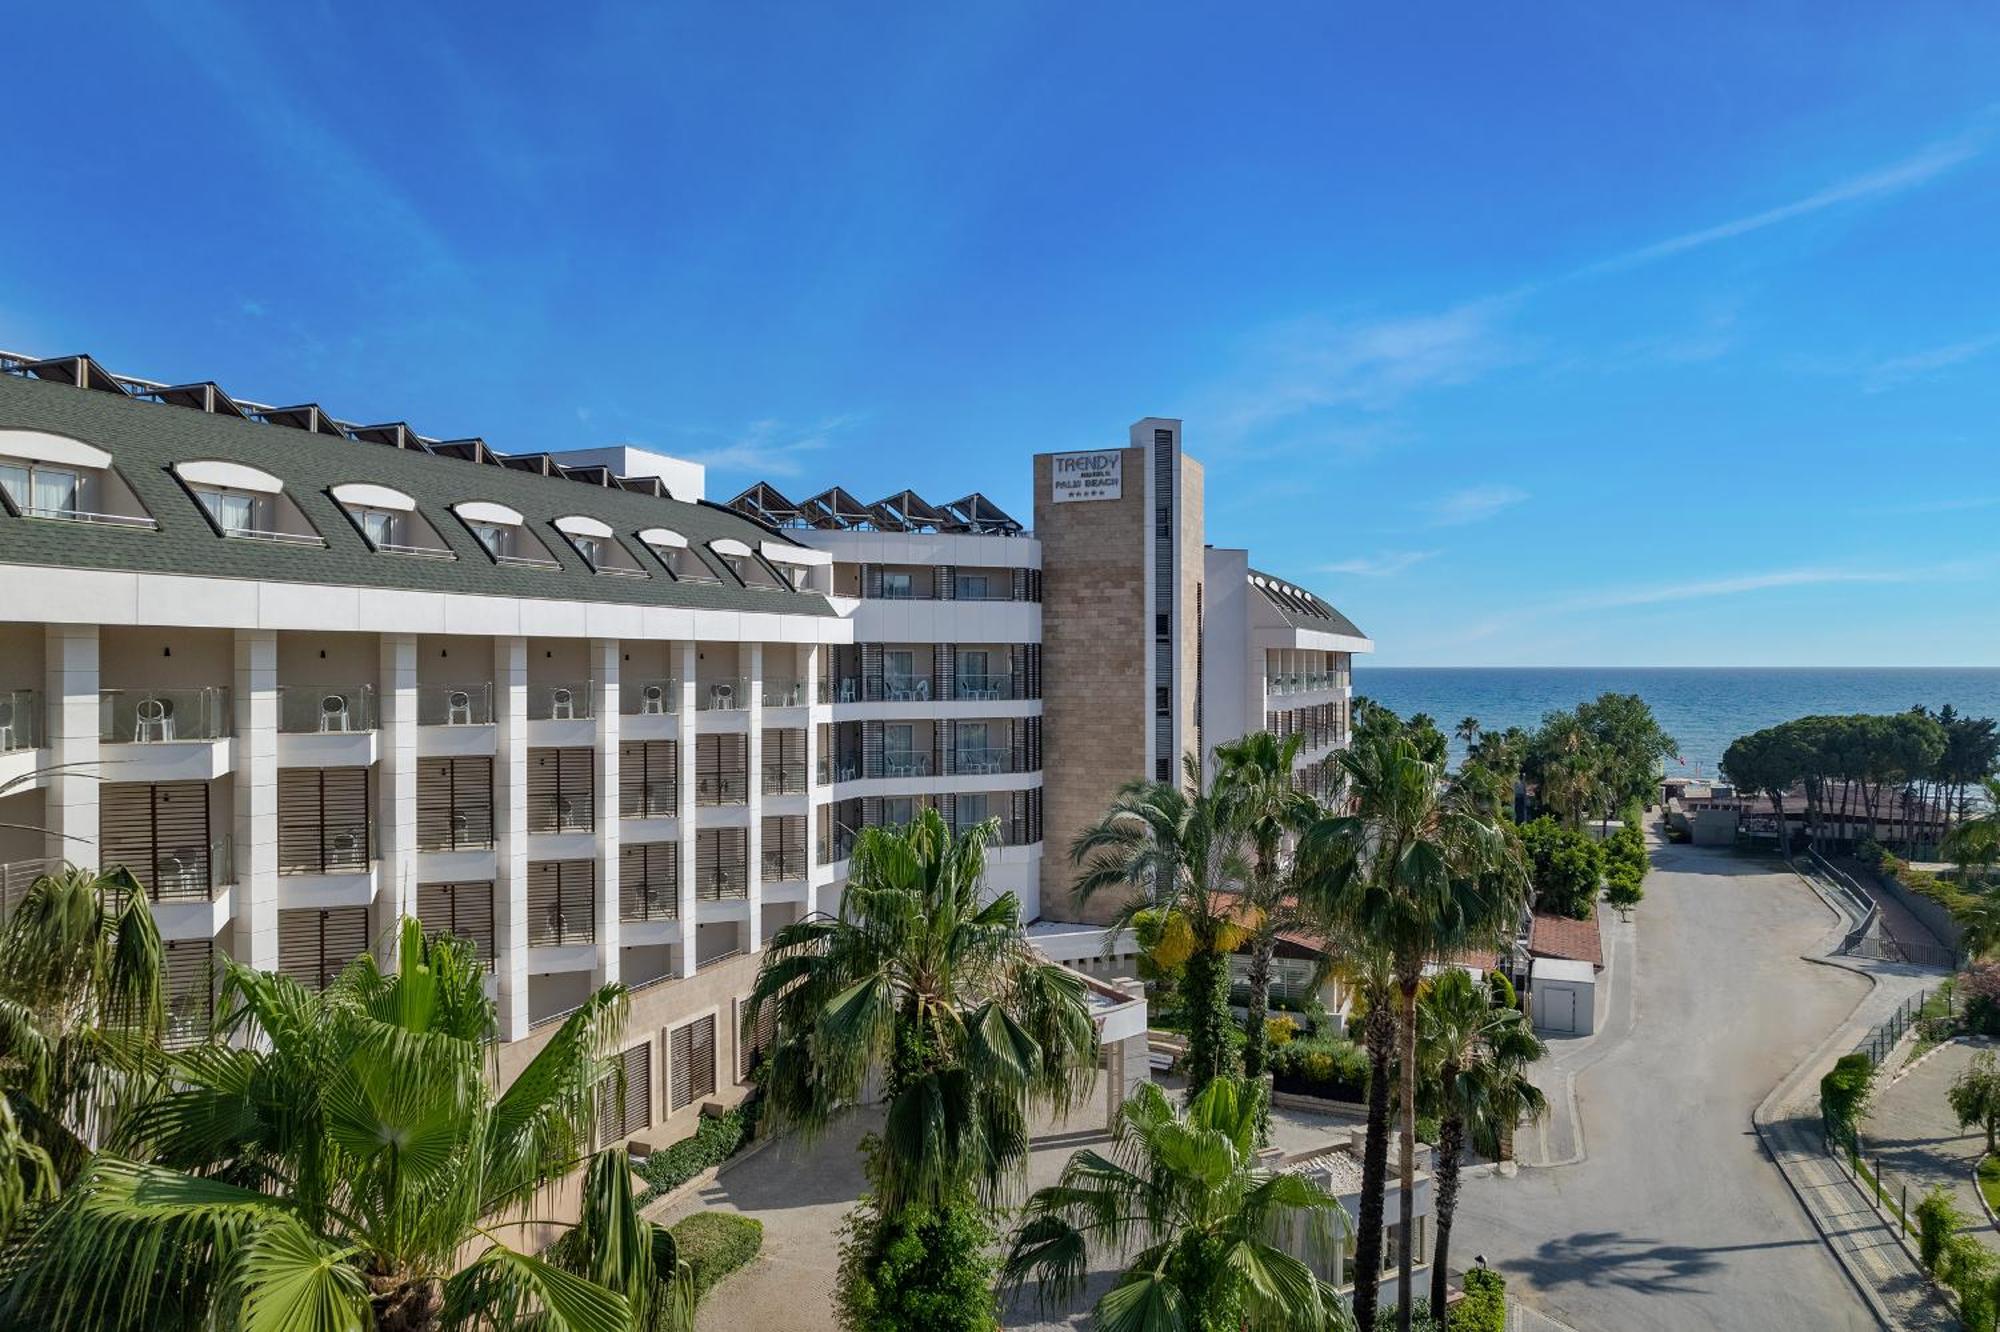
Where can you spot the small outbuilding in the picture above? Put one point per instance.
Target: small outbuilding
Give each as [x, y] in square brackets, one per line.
[1563, 995]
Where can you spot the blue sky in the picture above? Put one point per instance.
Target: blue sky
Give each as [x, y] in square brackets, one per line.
[1574, 334]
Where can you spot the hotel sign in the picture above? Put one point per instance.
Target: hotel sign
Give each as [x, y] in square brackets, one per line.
[1086, 476]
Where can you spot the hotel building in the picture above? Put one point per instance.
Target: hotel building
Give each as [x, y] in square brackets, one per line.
[304, 676]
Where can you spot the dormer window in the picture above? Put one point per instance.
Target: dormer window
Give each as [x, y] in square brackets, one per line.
[245, 504]
[600, 549]
[802, 568]
[681, 560]
[389, 521]
[743, 562]
[500, 531]
[65, 480]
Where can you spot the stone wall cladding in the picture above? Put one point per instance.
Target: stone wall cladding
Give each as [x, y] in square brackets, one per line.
[1192, 559]
[1094, 642]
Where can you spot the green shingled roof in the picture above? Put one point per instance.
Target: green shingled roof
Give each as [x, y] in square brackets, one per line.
[145, 439]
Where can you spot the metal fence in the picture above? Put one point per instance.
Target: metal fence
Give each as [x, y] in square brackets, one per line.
[1882, 1037]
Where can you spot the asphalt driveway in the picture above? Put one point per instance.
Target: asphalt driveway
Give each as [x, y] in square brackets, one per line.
[1674, 1218]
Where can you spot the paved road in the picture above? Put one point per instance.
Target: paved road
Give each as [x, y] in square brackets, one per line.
[1674, 1218]
[1912, 1133]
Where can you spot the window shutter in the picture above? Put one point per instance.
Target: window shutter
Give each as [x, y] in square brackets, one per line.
[562, 902]
[323, 820]
[623, 1110]
[871, 580]
[454, 804]
[649, 779]
[943, 658]
[680, 1055]
[755, 1042]
[947, 582]
[722, 858]
[561, 790]
[190, 990]
[702, 1073]
[314, 945]
[722, 769]
[871, 672]
[1018, 740]
[871, 748]
[161, 832]
[649, 881]
[691, 1060]
[463, 909]
[1020, 585]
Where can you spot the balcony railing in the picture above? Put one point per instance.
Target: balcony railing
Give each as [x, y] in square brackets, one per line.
[20, 719]
[983, 762]
[846, 767]
[59, 515]
[562, 701]
[334, 848]
[468, 829]
[906, 765]
[783, 865]
[982, 688]
[15, 878]
[649, 698]
[455, 704]
[906, 688]
[846, 689]
[326, 709]
[151, 716]
[553, 927]
[719, 959]
[726, 789]
[649, 800]
[721, 695]
[721, 885]
[189, 874]
[784, 780]
[784, 693]
[649, 901]
[561, 813]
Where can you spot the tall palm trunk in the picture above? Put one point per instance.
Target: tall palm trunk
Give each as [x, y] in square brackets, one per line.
[1406, 1166]
[1378, 1033]
[1205, 992]
[1255, 1042]
[1451, 1137]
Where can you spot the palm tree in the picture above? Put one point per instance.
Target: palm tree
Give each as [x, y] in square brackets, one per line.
[917, 979]
[1418, 869]
[1977, 916]
[1974, 843]
[1474, 1057]
[331, 1160]
[1258, 769]
[81, 1021]
[1179, 855]
[1182, 1193]
[1467, 731]
[1369, 973]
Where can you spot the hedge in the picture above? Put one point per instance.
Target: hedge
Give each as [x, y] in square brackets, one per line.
[715, 1244]
[1484, 1308]
[713, 1142]
[1326, 1066]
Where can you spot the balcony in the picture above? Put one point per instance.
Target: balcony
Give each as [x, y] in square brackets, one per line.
[906, 765]
[188, 873]
[784, 864]
[727, 695]
[722, 789]
[560, 927]
[784, 694]
[159, 716]
[649, 698]
[645, 902]
[784, 780]
[327, 848]
[649, 800]
[721, 885]
[983, 762]
[469, 704]
[20, 720]
[571, 700]
[906, 688]
[987, 688]
[326, 726]
[561, 813]
[846, 689]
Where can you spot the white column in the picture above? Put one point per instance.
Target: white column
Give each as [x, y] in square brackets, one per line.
[70, 685]
[510, 833]
[690, 665]
[256, 769]
[753, 932]
[396, 791]
[604, 673]
[815, 793]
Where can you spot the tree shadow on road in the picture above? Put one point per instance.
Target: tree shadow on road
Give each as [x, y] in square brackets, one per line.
[1612, 1258]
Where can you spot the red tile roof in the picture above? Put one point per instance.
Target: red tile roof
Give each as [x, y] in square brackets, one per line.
[1559, 936]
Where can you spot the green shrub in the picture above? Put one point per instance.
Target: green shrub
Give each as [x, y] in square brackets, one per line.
[1843, 1095]
[1484, 1308]
[1328, 1066]
[712, 1142]
[1567, 865]
[917, 1270]
[1937, 1222]
[714, 1244]
[1502, 989]
[1280, 1031]
[1979, 994]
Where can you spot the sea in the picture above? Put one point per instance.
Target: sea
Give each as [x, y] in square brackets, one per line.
[1703, 708]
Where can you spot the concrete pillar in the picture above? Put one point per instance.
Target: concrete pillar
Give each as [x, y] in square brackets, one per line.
[689, 666]
[395, 791]
[753, 932]
[604, 665]
[510, 833]
[256, 771]
[70, 697]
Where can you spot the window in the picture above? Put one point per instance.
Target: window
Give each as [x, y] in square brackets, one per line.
[972, 809]
[40, 490]
[600, 549]
[691, 1062]
[389, 521]
[379, 526]
[233, 511]
[899, 811]
[591, 549]
[493, 537]
[462, 909]
[500, 534]
[974, 587]
[671, 549]
[897, 586]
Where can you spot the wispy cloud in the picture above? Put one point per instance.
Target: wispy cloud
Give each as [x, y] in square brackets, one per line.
[771, 447]
[1706, 589]
[1386, 565]
[1918, 169]
[1473, 504]
[1899, 370]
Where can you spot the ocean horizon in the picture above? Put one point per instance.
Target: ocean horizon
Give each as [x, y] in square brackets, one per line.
[1702, 707]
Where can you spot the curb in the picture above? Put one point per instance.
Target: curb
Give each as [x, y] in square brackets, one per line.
[1980, 1193]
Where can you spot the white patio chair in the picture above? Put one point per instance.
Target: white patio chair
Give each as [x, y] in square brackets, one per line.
[652, 700]
[334, 716]
[562, 703]
[6, 724]
[458, 708]
[153, 720]
[722, 697]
